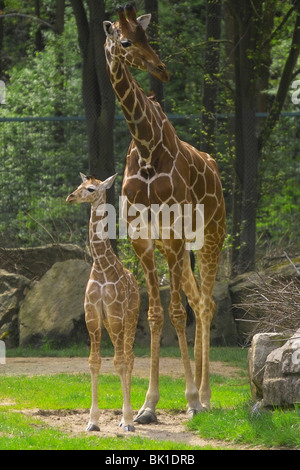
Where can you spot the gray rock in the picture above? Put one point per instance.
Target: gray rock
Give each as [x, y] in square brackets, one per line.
[274, 369]
[281, 384]
[261, 346]
[53, 309]
[34, 262]
[223, 327]
[13, 288]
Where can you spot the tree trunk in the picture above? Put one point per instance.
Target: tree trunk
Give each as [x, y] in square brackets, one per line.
[59, 69]
[39, 40]
[97, 92]
[285, 81]
[246, 159]
[211, 67]
[1, 42]
[151, 6]
[252, 53]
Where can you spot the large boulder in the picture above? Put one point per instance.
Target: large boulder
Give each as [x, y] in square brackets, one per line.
[281, 384]
[261, 346]
[34, 262]
[53, 309]
[223, 330]
[13, 288]
[274, 369]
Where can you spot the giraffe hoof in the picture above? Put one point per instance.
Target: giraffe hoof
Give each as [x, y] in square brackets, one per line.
[129, 428]
[145, 417]
[192, 412]
[92, 427]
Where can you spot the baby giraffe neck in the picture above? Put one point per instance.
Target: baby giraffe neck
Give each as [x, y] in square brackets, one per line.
[102, 251]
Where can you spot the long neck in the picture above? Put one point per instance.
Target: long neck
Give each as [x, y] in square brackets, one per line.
[144, 116]
[101, 249]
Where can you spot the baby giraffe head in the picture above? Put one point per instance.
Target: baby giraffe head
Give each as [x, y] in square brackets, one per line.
[91, 190]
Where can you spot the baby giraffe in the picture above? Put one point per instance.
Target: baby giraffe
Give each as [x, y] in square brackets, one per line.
[111, 298]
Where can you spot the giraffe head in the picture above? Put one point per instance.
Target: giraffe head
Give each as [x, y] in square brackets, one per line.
[91, 190]
[127, 42]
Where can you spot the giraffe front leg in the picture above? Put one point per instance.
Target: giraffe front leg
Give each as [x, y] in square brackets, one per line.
[147, 414]
[94, 364]
[145, 251]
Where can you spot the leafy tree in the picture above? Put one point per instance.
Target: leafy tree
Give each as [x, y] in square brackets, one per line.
[97, 92]
[211, 70]
[224, 57]
[252, 42]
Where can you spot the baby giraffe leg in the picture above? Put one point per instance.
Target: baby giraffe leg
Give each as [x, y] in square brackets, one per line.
[94, 328]
[121, 368]
[129, 336]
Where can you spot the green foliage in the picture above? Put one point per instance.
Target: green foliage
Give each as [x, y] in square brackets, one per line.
[278, 213]
[43, 159]
[48, 79]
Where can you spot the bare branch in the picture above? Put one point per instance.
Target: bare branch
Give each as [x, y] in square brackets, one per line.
[35, 18]
[289, 259]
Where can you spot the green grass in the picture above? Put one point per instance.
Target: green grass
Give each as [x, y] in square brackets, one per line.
[275, 428]
[69, 391]
[229, 420]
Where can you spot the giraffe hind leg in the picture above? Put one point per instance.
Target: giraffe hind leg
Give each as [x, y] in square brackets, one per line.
[94, 328]
[208, 264]
[191, 289]
[117, 335]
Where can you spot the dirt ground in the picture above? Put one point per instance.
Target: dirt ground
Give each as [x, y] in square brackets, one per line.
[170, 425]
[74, 365]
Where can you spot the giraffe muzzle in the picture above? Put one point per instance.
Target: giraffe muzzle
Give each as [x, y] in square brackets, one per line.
[71, 198]
[160, 72]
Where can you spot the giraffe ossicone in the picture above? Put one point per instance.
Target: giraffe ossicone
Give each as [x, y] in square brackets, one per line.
[111, 299]
[162, 169]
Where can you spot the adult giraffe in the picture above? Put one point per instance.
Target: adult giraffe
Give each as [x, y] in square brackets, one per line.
[162, 169]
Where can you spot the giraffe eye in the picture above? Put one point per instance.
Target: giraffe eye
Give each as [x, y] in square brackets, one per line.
[126, 43]
[90, 190]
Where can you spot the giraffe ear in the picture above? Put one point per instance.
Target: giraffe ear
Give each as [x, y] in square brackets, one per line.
[144, 21]
[108, 28]
[83, 177]
[109, 182]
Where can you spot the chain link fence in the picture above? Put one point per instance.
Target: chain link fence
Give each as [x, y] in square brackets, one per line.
[40, 161]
